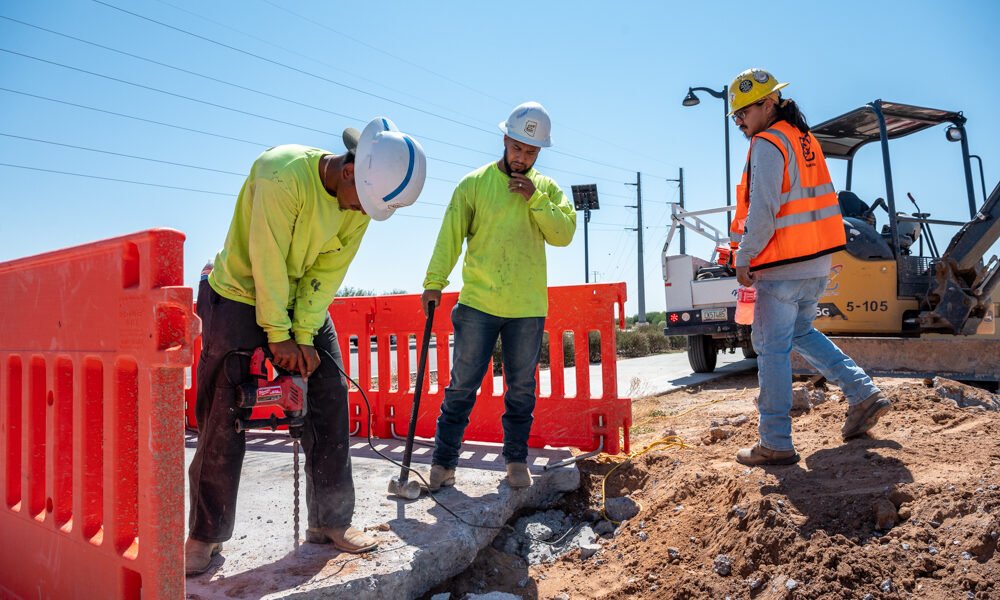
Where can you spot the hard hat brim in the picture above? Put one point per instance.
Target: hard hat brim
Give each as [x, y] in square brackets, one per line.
[546, 143]
[390, 169]
[776, 88]
[374, 207]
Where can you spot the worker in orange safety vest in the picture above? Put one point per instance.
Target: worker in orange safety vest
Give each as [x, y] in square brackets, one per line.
[787, 224]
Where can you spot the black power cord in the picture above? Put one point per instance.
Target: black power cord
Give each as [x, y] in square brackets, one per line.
[431, 493]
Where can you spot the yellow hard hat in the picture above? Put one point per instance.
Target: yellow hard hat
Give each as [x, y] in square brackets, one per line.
[750, 86]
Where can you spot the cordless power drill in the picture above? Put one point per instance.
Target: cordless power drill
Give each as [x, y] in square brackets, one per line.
[286, 392]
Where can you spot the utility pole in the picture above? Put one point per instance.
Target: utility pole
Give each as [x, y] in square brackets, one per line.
[680, 180]
[638, 207]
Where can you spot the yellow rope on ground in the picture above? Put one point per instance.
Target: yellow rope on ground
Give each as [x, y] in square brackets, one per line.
[671, 441]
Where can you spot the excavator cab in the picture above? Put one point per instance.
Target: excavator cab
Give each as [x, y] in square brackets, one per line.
[891, 279]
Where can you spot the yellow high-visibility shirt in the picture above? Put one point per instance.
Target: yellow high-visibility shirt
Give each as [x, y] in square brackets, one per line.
[504, 268]
[289, 244]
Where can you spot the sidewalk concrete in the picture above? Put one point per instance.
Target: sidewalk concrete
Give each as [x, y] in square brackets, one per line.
[420, 543]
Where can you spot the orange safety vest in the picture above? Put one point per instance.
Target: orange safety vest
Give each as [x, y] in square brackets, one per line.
[809, 223]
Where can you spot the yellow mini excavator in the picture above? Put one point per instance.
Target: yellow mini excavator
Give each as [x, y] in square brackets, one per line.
[894, 303]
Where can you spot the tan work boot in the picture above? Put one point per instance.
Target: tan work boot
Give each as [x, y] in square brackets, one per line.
[863, 416]
[440, 477]
[198, 556]
[345, 539]
[759, 455]
[518, 475]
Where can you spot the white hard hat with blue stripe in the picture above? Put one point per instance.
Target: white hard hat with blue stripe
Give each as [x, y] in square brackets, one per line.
[390, 169]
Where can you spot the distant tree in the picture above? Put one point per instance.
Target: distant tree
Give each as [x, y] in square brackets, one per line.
[651, 317]
[353, 291]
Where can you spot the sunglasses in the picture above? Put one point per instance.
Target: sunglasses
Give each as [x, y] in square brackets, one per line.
[742, 113]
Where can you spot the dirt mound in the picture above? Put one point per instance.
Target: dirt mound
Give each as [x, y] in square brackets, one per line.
[911, 511]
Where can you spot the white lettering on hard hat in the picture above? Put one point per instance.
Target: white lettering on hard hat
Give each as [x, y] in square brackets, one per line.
[746, 85]
[529, 127]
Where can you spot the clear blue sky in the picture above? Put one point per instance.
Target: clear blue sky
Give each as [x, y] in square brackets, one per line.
[612, 76]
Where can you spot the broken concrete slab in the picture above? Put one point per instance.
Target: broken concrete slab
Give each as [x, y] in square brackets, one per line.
[421, 544]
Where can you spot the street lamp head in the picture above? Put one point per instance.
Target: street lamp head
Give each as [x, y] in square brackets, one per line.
[690, 99]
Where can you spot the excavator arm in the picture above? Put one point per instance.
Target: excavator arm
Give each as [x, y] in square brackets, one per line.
[964, 284]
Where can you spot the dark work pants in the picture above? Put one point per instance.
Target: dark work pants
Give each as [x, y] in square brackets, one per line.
[215, 470]
[476, 334]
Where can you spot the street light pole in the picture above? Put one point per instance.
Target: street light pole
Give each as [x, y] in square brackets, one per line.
[982, 179]
[585, 199]
[692, 100]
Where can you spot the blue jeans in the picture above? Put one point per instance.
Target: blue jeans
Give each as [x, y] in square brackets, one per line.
[476, 334]
[782, 320]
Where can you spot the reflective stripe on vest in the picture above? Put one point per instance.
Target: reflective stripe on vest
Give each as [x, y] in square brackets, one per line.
[809, 223]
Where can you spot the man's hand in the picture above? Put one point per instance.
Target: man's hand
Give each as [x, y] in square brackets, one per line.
[430, 296]
[519, 184]
[288, 356]
[310, 360]
[744, 276]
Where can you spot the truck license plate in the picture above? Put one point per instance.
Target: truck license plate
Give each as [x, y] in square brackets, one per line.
[713, 314]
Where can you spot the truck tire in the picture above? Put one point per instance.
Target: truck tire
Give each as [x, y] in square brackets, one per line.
[702, 353]
[746, 345]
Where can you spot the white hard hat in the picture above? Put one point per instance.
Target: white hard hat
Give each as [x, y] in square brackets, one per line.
[529, 123]
[389, 169]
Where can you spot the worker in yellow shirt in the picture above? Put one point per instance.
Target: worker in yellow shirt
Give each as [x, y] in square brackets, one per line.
[298, 223]
[505, 212]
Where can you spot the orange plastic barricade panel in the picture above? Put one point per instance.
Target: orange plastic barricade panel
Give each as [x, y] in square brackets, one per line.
[581, 420]
[353, 321]
[93, 344]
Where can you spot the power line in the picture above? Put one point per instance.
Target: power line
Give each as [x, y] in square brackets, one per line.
[159, 185]
[167, 162]
[248, 113]
[217, 80]
[334, 82]
[460, 84]
[308, 57]
[135, 118]
[198, 100]
[174, 94]
[295, 69]
[387, 53]
[146, 158]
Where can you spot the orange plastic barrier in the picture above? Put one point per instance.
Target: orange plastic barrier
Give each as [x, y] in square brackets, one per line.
[578, 420]
[93, 344]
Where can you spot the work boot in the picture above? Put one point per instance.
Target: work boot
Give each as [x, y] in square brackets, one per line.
[198, 556]
[518, 475]
[759, 455]
[863, 416]
[345, 539]
[440, 477]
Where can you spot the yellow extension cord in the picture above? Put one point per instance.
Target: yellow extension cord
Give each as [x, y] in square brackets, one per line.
[671, 441]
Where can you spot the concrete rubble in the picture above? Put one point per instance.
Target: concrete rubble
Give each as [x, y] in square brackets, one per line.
[421, 544]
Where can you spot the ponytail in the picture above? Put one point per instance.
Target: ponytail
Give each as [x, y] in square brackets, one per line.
[787, 110]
